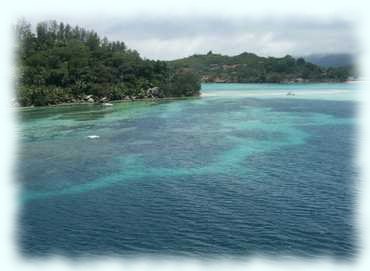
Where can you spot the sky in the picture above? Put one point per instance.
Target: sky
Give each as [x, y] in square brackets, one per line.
[172, 37]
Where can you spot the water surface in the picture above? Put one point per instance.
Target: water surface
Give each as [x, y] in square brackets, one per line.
[243, 170]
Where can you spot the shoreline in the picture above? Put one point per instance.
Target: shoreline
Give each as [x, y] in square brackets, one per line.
[102, 105]
[177, 98]
[290, 83]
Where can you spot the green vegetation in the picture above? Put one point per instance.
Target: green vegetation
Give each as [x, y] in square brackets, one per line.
[250, 68]
[58, 63]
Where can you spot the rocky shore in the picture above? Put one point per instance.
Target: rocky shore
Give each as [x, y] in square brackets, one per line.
[151, 94]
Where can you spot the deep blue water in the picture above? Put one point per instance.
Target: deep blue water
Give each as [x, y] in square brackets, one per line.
[211, 176]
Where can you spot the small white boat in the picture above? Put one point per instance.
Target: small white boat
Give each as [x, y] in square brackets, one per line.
[93, 136]
[107, 104]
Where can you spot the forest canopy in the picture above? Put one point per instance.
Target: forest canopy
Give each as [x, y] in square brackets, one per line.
[58, 63]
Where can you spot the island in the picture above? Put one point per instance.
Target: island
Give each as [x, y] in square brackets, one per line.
[251, 68]
[58, 63]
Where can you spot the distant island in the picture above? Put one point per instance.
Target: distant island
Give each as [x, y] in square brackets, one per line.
[58, 63]
[250, 68]
[332, 60]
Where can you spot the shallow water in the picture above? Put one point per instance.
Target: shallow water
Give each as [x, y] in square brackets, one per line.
[244, 170]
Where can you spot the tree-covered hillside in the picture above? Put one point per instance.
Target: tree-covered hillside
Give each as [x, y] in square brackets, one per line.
[250, 68]
[332, 60]
[58, 63]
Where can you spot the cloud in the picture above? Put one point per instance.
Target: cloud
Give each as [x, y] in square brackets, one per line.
[173, 37]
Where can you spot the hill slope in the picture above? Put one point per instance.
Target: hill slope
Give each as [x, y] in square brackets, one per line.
[331, 60]
[250, 68]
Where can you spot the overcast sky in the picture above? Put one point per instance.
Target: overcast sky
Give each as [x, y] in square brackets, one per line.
[167, 38]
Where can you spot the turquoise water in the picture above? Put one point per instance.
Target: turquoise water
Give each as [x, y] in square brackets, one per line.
[323, 91]
[242, 170]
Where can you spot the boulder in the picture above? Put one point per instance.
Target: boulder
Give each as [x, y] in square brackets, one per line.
[90, 100]
[154, 91]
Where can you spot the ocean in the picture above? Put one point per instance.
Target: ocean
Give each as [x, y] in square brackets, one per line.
[244, 170]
